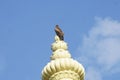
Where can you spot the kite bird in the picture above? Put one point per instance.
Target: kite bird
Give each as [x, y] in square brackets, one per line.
[59, 32]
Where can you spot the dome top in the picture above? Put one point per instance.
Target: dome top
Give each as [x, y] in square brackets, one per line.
[62, 66]
[59, 44]
[59, 48]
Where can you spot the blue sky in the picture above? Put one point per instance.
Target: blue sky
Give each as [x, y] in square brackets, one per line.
[91, 27]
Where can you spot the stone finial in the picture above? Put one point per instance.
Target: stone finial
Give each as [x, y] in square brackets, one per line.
[62, 66]
[60, 49]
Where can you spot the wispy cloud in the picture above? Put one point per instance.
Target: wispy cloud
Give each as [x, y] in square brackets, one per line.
[93, 74]
[100, 51]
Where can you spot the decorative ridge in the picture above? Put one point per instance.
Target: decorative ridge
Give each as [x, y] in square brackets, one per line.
[60, 49]
[61, 65]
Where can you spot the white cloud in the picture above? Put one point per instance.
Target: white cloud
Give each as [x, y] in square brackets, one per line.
[93, 74]
[101, 48]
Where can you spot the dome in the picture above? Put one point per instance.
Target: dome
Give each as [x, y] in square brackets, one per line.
[62, 66]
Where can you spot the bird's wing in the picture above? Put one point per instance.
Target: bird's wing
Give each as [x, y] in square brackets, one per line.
[59, 32]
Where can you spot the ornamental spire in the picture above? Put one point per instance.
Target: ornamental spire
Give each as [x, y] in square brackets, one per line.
[62, 66]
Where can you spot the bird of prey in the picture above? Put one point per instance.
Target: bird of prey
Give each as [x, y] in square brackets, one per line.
[59, 32]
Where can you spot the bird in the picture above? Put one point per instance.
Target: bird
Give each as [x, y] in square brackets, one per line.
[59, 32]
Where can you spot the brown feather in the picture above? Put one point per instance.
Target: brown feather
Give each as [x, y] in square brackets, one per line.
[59, 32]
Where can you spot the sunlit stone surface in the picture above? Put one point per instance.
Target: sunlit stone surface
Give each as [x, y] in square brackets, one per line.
[62, 66]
